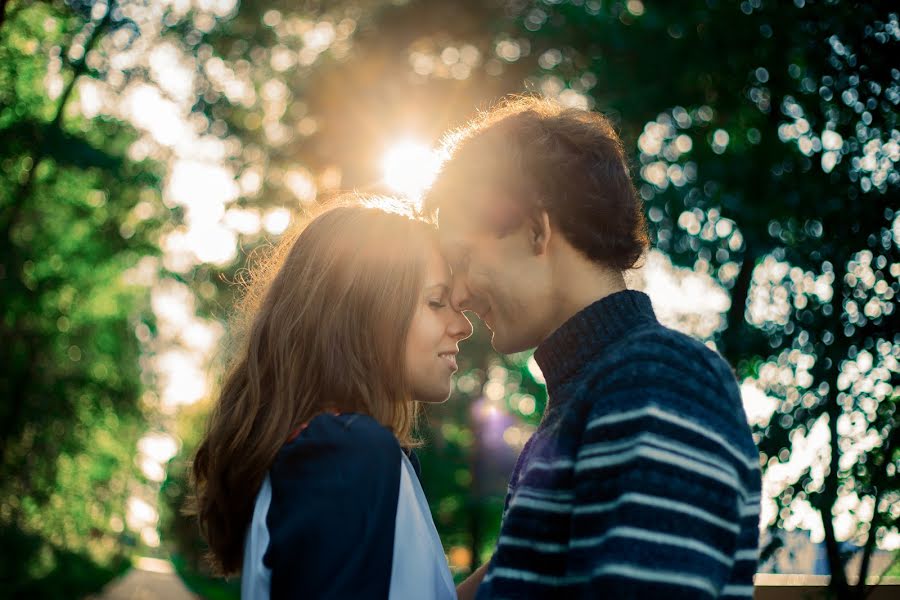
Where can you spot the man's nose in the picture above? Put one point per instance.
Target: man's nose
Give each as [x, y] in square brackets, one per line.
[460, 297]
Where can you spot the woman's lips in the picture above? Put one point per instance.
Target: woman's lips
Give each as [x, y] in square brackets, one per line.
[450, 359]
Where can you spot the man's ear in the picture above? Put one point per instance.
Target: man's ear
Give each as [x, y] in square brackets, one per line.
[540, 232]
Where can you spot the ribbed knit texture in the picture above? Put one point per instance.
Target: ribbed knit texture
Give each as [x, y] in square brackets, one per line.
[642, 480]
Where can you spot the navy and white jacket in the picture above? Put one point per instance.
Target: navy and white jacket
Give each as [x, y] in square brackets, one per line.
[341, 514]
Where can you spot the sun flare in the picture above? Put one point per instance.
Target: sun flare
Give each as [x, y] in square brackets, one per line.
[409, 168]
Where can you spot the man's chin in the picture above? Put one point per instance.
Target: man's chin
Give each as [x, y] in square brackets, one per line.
[504, 345]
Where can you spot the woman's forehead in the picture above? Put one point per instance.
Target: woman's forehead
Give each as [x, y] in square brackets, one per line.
[437, 269]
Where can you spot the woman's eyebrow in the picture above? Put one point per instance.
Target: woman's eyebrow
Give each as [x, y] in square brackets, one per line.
[443, 286]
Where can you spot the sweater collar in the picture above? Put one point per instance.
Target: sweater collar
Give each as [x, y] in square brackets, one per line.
[591, 329]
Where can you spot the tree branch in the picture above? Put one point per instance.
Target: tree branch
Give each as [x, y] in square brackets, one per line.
[2, 12]
[78, 69]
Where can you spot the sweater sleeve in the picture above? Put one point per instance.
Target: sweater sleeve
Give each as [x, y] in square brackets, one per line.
[333, 511]
[656, 506]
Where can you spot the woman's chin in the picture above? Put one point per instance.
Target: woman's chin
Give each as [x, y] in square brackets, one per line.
[434, 396]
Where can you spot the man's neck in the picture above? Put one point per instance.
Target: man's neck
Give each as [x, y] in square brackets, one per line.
[579, 282]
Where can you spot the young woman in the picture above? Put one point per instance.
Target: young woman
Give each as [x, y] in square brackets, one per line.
[305, 480]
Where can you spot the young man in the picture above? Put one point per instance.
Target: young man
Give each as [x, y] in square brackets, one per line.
[642, 480]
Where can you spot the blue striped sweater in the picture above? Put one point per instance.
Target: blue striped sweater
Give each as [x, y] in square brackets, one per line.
[642, 480]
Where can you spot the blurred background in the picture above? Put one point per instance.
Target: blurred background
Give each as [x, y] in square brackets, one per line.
[148, 147]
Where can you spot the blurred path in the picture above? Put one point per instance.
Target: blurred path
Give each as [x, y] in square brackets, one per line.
[150, 579]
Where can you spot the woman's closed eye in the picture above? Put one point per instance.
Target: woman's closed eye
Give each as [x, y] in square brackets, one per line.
[437, 304]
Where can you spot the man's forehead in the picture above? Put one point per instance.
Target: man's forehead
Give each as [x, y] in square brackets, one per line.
[476, 211]
[454, 236]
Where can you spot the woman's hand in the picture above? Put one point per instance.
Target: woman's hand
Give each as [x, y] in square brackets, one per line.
[466, 590]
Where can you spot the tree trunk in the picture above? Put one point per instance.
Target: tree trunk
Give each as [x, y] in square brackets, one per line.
[838, 582]
[734, 318]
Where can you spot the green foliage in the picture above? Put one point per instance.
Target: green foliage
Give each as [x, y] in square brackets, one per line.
[894, 570]
[52, 571]
[71, 379]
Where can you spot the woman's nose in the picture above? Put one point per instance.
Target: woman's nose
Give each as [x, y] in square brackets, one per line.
[460, 327]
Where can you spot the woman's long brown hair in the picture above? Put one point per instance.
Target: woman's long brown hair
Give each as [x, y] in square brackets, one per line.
[322, 326]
